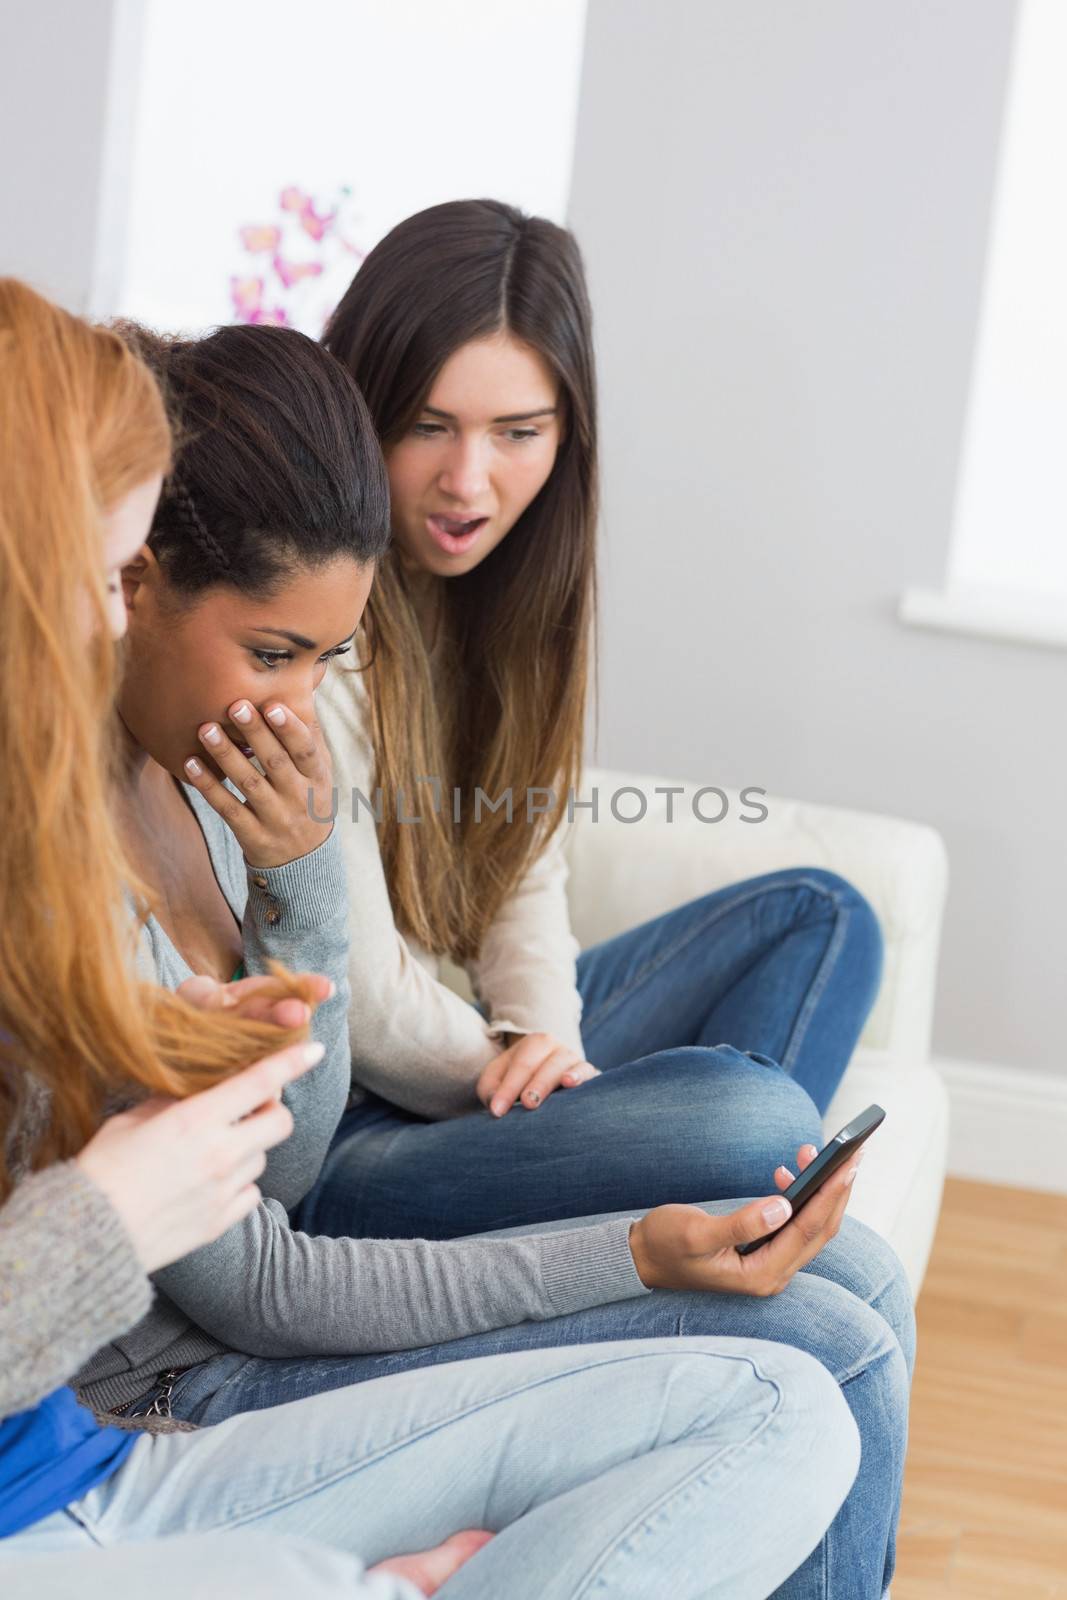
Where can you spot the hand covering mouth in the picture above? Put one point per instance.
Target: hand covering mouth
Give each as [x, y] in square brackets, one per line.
[238, 743]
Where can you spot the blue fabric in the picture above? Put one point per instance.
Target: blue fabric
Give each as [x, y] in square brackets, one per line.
[850, 1308]
[682, 1016]
[51, 1455]
[721, 1029]
[692, 1469]
[787, 965]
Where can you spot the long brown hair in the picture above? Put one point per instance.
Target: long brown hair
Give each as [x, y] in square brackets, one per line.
[509, 713]
[81, 424]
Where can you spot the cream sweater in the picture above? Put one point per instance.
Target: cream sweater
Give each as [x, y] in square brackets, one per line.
[414, 1040]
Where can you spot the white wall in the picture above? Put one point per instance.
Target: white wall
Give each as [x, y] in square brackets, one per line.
[54, 59]
[785, 214]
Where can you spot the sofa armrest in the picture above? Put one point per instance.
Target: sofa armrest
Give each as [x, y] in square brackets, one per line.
[624, 873]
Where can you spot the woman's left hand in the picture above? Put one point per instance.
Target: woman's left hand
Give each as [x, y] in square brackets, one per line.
[246, 999]
[280, 821]
[531, 1068]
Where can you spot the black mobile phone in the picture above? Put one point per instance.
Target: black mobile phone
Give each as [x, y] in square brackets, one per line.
[841, 1146]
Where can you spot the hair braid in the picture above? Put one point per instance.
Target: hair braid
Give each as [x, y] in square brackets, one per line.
[277, 464]
[191, 523]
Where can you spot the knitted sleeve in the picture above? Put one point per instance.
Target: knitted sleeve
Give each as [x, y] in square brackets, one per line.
[70, 1280]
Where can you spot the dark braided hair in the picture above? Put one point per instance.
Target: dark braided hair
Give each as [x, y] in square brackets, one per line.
[277, 465]
[187, 519]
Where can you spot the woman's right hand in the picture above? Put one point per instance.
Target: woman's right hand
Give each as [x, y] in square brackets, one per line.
[683, 1247]
[180, 1172]
[531, 1066]
[281, 819]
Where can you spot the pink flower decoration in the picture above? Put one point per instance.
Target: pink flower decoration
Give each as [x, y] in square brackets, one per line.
[291, 272]
[261, 237]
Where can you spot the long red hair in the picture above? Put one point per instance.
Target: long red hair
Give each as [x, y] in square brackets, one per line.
[81, 424]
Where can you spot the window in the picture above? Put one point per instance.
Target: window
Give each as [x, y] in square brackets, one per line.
[1007, 572]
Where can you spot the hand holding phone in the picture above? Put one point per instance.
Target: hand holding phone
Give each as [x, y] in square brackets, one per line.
[815, 1174]
[695, 1247]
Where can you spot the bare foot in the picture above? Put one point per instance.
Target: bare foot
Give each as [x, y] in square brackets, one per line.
[429, 1569]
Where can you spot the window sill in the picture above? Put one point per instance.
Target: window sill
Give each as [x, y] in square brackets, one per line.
[988, 614]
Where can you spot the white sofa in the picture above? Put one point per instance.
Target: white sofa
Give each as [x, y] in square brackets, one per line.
[622, 874]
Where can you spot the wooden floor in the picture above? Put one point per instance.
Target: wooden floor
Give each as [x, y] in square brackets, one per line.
[985, 1496]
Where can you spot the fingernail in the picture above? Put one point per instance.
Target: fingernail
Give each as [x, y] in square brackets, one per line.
[785, 1173]
[211, 735]
[242, 713]
[533, 1097]
[310, 1053]
[850, 1174]
[193, 767]
[332, 990]
[775, 1212]
[276, 715]
[497, 1107]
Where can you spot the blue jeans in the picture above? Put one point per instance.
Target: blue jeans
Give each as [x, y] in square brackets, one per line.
[702, 1469]
[783, 968]
[787, 965]
[850, 1309]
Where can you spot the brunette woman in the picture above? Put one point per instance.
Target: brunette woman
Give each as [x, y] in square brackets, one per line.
[704, 1041]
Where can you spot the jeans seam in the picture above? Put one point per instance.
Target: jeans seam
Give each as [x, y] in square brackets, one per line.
[821, 979]
[615, 998]
[870, 1360]
[696, 1475]
[239, 1518]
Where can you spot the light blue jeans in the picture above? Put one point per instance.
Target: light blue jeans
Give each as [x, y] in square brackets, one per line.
[697, 1468]
[850, 1308]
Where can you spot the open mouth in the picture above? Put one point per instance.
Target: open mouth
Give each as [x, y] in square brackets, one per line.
[454, 535]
